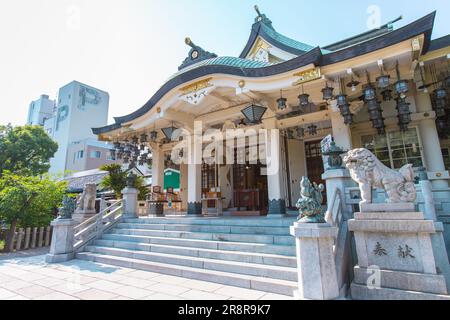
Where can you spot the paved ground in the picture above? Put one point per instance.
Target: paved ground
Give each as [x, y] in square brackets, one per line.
[31, 278]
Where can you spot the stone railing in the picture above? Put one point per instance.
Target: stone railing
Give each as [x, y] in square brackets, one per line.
[94, 227]
[342, 248]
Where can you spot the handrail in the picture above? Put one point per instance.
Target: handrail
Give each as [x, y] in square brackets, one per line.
[95, 226]
[94, 218]
[334, 212]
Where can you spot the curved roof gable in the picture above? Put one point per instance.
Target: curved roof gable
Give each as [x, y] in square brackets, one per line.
[264, 29]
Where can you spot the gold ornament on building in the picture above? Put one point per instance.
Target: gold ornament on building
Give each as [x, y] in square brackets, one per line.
[307, 76]
[197, 86]
[241, 84]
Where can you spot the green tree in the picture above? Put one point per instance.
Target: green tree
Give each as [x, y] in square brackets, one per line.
[116, 181]
[25, 150]
[28, 201]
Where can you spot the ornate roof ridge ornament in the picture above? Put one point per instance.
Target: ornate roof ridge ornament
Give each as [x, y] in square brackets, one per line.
[262, 18]
[196, 54]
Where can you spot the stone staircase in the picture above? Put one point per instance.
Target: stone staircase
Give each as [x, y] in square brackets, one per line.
[256, 253]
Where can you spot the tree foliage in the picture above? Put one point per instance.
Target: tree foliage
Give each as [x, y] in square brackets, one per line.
[30, 201]
[116, 180]
[25, 150]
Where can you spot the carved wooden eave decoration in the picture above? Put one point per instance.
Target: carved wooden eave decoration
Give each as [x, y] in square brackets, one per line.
[307, 76]
[196, 92]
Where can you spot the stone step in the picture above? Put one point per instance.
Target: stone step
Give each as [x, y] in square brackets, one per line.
[247, 257]
[285, 250]
[218, 221]
[232, 279]
[267, 239]
[257, 230]
[251, 269]
[362, 292]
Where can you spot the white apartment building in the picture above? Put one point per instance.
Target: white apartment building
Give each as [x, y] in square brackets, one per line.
[40, 110]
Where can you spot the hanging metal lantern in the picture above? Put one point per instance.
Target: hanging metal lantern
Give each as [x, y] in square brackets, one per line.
[135, 140]
[383, 81]
[144, 138]
[439, 107]
[440, 93]
[281, 102]
[142, 147]
[442, 126]
[289, 134]
[300, 132]
[346, 114]
[327, 93]
[153, 136]
[404, 114]
[447, 81]
[254, 113]
[312, 129]
[341, 100]
[402, 88]
[376, 116]
[119, 155]
[168, 132]
[303, 99]
[141, 161]
[387, 95]
[117, 145]
[369, 93]
[353, 84]
[126, 159]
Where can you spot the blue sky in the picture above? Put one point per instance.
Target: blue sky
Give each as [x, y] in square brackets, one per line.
[129, 48]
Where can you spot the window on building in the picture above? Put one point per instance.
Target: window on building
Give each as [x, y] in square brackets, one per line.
[446, 156]
[96, 154]
[110, 157]
[79, 154]
[396, 148]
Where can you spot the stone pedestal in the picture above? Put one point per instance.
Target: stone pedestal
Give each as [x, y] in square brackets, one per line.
[130, 197]
[317, 278]
[61, 248]
[395, 255]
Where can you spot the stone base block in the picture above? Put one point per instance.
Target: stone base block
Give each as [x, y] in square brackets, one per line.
[362, 292]
[195, 208]
[387, 207]
[426, 283]
[59, 258]
[277, 207]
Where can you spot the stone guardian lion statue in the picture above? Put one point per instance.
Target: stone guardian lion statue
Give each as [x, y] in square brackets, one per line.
[369, 173]
[86, 201]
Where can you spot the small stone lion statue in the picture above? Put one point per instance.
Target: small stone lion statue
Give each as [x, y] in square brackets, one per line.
[310, 202]
[86, 201]
[369, 173]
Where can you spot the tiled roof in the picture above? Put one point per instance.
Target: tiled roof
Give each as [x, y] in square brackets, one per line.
[285, 40]
[226, 61]
[76, 183]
